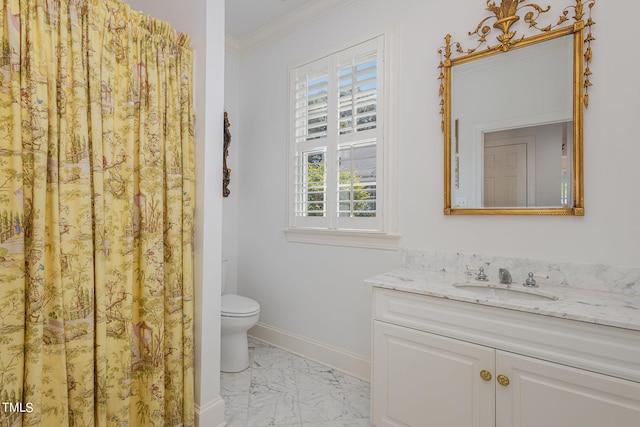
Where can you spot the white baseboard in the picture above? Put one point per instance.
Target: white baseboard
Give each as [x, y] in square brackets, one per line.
[211, 414]
[350, 363]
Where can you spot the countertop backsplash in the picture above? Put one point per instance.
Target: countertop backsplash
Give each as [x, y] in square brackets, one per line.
[601, 294]
[595, 277]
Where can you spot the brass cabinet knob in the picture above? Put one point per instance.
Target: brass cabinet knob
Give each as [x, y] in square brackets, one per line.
[485, 375]
[503, 380]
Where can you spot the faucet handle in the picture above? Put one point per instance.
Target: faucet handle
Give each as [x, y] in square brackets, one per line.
[481, 275]
[530, 282]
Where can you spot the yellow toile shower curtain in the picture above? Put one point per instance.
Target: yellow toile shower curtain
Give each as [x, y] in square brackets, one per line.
[96, 217]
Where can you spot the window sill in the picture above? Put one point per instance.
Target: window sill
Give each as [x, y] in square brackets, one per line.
[352, 238]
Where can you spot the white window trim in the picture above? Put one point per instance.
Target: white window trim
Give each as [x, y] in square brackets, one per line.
[388, 236]
[352, 238]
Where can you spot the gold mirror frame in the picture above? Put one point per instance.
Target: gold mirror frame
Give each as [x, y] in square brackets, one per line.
[504, 16]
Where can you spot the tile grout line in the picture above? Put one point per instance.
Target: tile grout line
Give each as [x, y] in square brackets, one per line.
[298, 369]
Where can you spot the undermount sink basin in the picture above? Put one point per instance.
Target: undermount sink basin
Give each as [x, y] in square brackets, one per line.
[502, 292]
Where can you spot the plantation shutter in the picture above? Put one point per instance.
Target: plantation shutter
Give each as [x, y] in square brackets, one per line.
[336, 136]
[310, 99]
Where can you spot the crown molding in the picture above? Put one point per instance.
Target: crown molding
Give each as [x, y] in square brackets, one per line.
[283, 25]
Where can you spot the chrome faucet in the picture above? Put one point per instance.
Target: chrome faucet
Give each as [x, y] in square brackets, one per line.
[482, 276]
[530, 282]
[505, 276]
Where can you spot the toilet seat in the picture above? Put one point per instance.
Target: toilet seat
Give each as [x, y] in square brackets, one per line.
[238, 306]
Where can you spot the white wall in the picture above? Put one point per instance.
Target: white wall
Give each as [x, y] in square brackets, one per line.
[203, 20]
[230, 203]
[317, 291]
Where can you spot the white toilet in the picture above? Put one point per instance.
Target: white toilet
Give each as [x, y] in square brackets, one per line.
[239, 314]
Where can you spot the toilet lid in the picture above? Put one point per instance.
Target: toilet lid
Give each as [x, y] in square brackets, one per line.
[234, 305]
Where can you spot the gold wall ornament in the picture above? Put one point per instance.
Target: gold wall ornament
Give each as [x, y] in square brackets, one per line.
[505, 16]
[505, 26]
[226, 172]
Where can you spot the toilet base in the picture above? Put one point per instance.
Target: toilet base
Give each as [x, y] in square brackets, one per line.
[234, 352]
[234, 345]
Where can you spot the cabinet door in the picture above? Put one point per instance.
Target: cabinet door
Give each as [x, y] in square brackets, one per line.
[547, 394]
[421, 379]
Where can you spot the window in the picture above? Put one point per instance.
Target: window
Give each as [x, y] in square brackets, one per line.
[336, 163]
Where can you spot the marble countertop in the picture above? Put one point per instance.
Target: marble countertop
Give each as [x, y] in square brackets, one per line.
[600, 307]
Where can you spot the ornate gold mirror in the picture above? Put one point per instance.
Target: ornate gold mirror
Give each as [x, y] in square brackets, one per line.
[512, 112]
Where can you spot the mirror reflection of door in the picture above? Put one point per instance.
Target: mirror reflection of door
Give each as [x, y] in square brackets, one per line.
[528, 166]
[505, 175]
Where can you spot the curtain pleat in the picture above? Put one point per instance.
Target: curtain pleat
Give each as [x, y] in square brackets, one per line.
[97, 184]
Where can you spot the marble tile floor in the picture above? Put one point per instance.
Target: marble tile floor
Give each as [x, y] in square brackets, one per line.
[282, 389]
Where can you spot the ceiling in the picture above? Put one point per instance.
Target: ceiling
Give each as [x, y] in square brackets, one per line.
[243, 17]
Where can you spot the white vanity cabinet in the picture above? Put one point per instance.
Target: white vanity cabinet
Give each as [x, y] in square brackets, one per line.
[423, 379]
[542, 393]
[441, 363]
